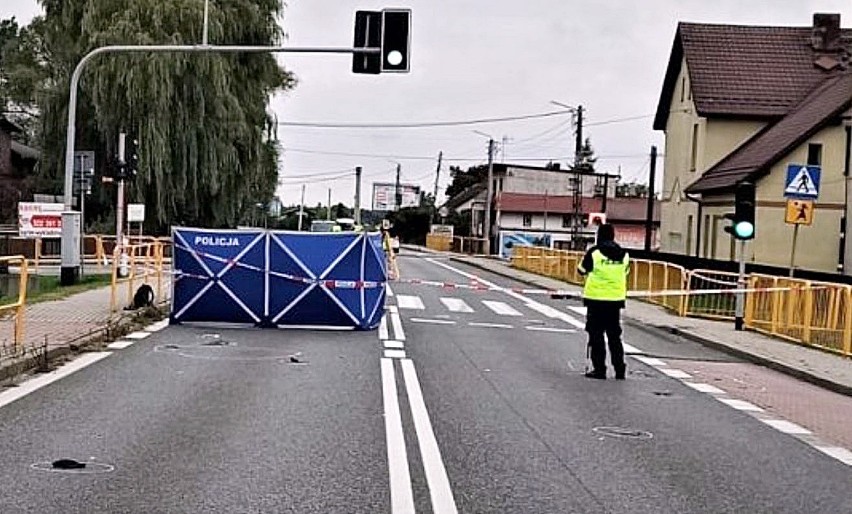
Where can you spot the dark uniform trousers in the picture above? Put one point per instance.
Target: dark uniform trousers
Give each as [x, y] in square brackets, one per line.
[604, 318]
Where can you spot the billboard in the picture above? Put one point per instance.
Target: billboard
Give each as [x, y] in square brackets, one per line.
[36, 219]
[512, 238]
[384, 196]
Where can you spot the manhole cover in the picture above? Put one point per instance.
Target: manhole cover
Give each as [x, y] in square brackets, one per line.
[627, 433]
[89, 467]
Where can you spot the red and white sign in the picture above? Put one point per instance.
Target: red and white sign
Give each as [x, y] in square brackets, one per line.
[40, 219]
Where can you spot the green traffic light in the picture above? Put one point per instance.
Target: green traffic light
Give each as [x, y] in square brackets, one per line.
[744, 229]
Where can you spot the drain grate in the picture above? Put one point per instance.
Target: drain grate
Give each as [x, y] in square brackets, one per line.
[624, 433]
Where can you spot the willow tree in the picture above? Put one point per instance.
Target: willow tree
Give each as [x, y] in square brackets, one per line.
[206, 151]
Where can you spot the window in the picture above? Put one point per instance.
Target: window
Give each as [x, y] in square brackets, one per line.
[566, 220]
[815, 154]
[688, 247]
[682, 88]
[693, 160]
[527, 220]
[705, 236]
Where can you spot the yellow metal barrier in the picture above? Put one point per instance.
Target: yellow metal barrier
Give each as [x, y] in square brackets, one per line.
[711, 305]
[18, 307]
[144, 263]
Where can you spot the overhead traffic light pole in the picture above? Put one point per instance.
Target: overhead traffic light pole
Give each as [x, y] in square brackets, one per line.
[392, 58]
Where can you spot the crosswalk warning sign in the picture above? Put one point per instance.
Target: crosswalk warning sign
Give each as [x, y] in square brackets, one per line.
[799, 212]
[802, 181]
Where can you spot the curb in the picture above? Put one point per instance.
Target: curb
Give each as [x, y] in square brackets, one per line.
[686, 334]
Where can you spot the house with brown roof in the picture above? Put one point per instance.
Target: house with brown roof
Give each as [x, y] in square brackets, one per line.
[17, 162]
[742, 103]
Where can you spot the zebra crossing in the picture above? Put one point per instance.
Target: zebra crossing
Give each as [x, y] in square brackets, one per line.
[503, 309]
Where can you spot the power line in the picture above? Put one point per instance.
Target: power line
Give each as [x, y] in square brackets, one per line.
[425, 124]
[619, 120]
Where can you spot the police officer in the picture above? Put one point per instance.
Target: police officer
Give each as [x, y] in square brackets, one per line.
[605, 267]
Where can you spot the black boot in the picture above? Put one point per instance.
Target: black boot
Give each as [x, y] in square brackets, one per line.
[619, 373]
[596, 374]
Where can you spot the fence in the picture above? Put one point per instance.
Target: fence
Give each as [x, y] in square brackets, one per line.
[808, 312]
[17, 307]
[144, 264]
[439, 242]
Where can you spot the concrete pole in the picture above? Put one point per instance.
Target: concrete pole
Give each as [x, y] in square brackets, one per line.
[489, 197]
[302, 208]
[328, 211]
[357, 195]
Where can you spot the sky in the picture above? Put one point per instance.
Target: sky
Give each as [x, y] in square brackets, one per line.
[479, 59]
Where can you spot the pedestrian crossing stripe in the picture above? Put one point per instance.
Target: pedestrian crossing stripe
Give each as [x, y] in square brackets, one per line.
[802, 181]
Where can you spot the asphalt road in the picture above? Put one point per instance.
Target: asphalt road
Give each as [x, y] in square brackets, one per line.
[465, 401]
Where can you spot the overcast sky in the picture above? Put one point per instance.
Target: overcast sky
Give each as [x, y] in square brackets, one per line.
[474, 59]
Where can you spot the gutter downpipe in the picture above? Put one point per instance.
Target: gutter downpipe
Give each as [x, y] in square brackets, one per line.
[697, 223]
[844, 220]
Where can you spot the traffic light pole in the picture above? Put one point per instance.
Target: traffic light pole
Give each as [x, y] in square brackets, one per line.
[71, 258]
[739, 312]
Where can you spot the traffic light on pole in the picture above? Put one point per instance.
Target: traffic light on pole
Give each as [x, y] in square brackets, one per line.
[131, 157]
[388, 30]
[742, 226]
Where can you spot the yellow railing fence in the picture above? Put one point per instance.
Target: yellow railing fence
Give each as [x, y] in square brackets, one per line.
[439, 242]
[711, 305]
[134, 265]
[18, 307]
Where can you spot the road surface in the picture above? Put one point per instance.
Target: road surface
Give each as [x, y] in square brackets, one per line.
[464, 401]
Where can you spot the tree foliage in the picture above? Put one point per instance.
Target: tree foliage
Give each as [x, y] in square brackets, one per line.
[207, 152]
[463, 179]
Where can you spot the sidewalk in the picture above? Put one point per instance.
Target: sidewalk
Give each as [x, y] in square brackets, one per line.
[821, 368]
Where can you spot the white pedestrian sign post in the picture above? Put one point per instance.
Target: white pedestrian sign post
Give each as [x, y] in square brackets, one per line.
[802, 182]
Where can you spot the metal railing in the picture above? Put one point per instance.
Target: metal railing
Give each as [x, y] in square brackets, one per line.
[18, 307]
[135, 265]
[812, 313]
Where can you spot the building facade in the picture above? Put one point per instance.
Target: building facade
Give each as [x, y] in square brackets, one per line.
[780, 97]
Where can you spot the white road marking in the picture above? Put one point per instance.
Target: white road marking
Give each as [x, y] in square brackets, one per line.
[156, 327]
[433, 321]
[398, 333]
[120, 345]
[556, 330]
[631, 350]
[433, 465]
[397, 345]
[552, 313]
[786, 426]
[675, 373]
[456, 305]
[409, 302]
[582, 311]
[394, 354]
[138, 335]
[501, 308]
[841, 454]
[393, 308]
[489, 325]
[34, 384]
[740, 404]
[383, 328]
[705, 388]
[389, 291]
[651, 361]
[402, 497]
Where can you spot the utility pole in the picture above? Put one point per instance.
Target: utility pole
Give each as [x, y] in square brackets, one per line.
[302, 208]
[357, 195]
[328, 211]
[649, 212]
[397, 197]
[119, 209]
[437, 178]
[578, 144]
[545, 212]
[489, 197]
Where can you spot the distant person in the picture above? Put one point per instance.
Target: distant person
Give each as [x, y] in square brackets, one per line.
[605, 267]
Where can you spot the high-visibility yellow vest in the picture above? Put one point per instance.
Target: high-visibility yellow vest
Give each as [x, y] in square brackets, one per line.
[608, 279]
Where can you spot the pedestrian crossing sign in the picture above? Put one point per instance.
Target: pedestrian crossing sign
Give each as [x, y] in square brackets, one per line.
[802, 181]
[799, 212]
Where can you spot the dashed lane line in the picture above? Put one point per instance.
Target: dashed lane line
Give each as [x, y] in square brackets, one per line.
[409, 302]
[383, 328]
[120, 345]
[489, 325]
[788, 427]
[432, 321]
[456, 305]
[394, 354]
[398, 332]
[704, 388]
[554, 330]
[394, 345]
[402, 497]
[740, 404]
[501, 308]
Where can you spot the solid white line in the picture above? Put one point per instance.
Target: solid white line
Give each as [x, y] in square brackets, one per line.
[841, 454]
[409, 302]
[34, 384]
[740, 404]
[433, 465]
[402, 498]
[456, 305]
[138, 335]
[383, 328]
[651, 361]
[786, 426]
[501, 309]
[675, 373]
[394, 354]
[394, 345]
[632, 350]
[433, 321]
[120, 345]
[398, 333]
[556, 330]
[579, 310]
[389, 291]
[705, 388]
[489, 325]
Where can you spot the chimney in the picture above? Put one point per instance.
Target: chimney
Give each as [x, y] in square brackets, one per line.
[826, 32]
